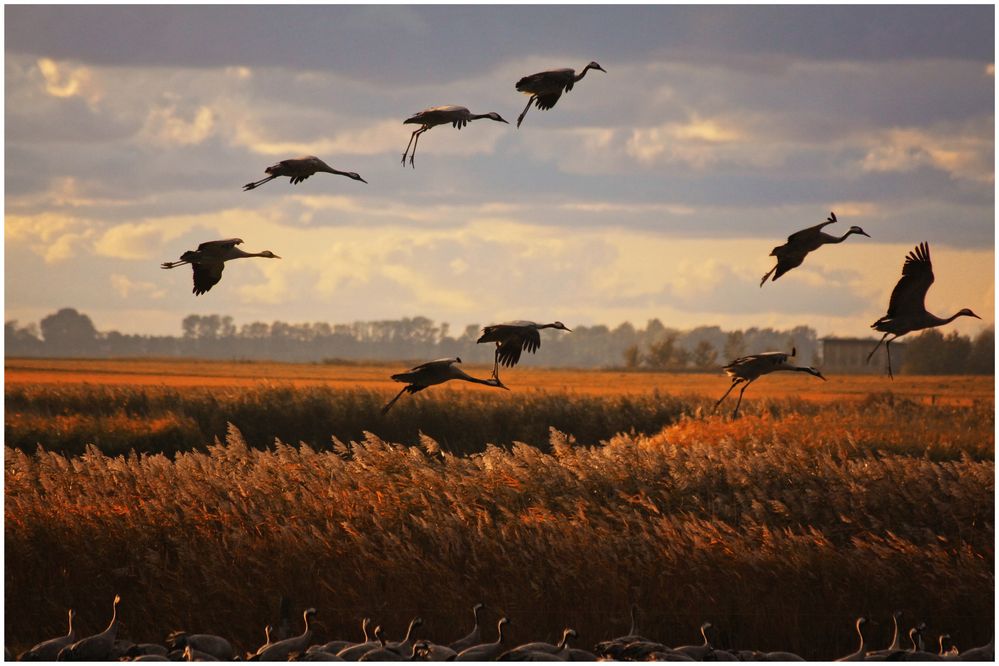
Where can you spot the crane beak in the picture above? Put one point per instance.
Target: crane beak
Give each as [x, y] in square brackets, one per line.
[362, 180]
[498, 384]
[866, 234]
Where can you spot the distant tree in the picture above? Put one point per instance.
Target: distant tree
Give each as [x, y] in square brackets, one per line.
[704, 356]
[69, 332]
[661, 353]
[735, 345]
[982, 359]
[931, 353]
[632, 357]
[21, 341]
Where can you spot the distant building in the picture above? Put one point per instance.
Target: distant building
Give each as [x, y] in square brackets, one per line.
[849, 355]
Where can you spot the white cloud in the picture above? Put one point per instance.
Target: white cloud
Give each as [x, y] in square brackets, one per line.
[64, 80]
[963, 151]
[125, 287]
[165, 125]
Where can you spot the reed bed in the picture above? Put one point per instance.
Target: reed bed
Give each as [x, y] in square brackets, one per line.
[118, 419]
[780, 527]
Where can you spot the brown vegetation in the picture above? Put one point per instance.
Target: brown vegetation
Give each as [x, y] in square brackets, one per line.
[779, 527]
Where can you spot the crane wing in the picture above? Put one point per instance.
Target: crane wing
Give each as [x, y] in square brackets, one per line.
[545, 102]
[799, 236]
[909, 295]
[206, 276]
[219, 244]
[526, 339]
[546, 82]
[439, 363]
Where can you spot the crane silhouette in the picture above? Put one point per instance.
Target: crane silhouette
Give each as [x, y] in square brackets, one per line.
[458, 116]
[545, 88]
[748, 369]
[298, 169]
[800, 243]
[432, 373]
[209, 260]
[513, 337]
[907, 305]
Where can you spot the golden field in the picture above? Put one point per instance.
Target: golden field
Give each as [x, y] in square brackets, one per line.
[779, 527]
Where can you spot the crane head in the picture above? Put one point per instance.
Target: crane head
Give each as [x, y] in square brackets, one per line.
[595, 65]
[492, 115]
[494, 381]
[269, 255]
[858, 230]
[351, 174]
[968, 313]
[562, 327]
[813, 371]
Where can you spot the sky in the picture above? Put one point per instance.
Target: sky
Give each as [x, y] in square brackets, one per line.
[654, 190]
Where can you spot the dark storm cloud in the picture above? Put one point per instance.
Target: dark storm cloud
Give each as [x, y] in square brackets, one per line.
[391, 43]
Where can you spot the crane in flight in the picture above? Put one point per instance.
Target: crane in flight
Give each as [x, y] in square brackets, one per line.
[512, 338]
[298, 169]
[800, 243]
[748, 369]
[458, 116]
[545, 88]
[907, 305]
[433, 373]
[209, 260]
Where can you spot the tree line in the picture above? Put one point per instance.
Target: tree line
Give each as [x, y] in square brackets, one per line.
[69, 333]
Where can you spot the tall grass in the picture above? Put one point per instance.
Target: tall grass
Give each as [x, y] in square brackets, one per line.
[779, 527]
[117, 419]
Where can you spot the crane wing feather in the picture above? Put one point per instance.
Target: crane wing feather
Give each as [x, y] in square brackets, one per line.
[909, 295]
[206, 276]
[804, 234]
[219, 244]
[439, 363]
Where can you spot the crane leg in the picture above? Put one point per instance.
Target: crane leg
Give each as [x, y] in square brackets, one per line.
[769, 273]
[391, 402]
[250, 186]
[739, 401]
[496, 363]
[888, 351]
[523, 113]
[876, 346]
[173, 264]
[735, 381]
[415, 132]
[412, 156]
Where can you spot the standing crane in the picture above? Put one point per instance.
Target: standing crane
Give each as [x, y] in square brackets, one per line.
[800, 243]
[49, 650]
[748, 369]
[513, 337]
[209, 260]
[545, 88]
[907, 305]
[458, 116]
[298, 169]
[432, 373]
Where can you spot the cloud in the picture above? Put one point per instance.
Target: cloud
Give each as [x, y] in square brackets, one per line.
[63, 80]
[132, 241]
[125, 287]
[166, 126]
[964, 152]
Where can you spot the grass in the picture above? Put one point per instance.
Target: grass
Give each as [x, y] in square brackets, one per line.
[780, 527]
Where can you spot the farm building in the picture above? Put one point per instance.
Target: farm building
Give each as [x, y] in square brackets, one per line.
[849, 355]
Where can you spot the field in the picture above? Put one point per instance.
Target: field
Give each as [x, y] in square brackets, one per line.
[823, 502]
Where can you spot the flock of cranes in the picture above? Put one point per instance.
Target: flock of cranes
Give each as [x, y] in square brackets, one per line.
[184, 646]
[906, 309]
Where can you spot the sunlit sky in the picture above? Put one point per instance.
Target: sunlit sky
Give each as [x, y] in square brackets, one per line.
[657, 189]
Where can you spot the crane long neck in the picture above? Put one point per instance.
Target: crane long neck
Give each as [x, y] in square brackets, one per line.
[70, 632]
[113, 625]
[499, 630]
[948, 319]
[579, 76]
